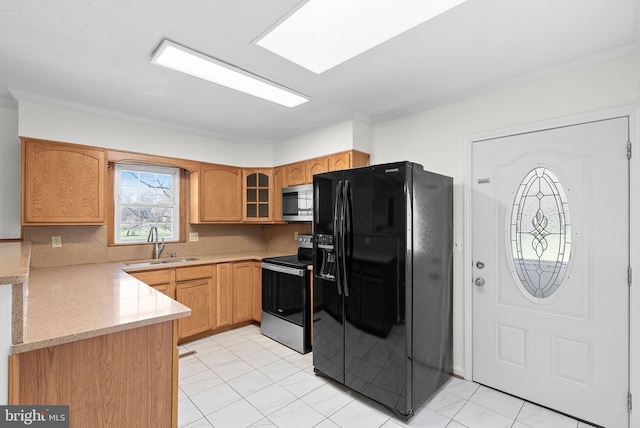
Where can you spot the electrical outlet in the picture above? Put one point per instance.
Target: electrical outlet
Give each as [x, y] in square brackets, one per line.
[56, 241]
[193, 237]
[295, 236]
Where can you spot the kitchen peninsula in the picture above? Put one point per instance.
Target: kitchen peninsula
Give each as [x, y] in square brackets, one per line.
[103, 342]
[95, 339]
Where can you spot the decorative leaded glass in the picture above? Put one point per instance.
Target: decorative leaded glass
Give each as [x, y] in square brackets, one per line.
[540, 233]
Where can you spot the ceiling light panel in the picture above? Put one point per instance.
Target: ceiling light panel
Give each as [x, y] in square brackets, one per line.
[324, 33]
[180, 58]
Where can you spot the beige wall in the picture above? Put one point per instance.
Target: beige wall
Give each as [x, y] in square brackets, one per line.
[88, 244]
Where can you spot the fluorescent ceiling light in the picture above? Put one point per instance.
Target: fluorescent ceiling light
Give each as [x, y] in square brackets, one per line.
[324, 33]
[183, 59]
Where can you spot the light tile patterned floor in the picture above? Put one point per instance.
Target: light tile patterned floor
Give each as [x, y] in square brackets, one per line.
[241, 378]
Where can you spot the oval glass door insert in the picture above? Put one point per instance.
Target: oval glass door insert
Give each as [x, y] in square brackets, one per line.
[540, 233]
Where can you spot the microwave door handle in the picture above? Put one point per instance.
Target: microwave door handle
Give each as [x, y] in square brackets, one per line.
[337, 211]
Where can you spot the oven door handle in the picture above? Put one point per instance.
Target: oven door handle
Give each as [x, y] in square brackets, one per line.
[283, 269]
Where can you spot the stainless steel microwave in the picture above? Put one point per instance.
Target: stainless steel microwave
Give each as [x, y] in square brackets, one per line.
[297, 203]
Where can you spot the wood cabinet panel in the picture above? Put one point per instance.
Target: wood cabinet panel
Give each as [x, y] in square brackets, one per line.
[123, 379]
[340, 161]
[153, 277]
[219, 194]
[257, 291]
[164, 289]
[193, 272]
[242, 291]
[198, 295]
[224, 294]
[296, 174]
[159, 279]
[62, 183]
[219, 295]
[279, 181]
[359, 159]
[223, 194]
[258, 195]
[316, 166]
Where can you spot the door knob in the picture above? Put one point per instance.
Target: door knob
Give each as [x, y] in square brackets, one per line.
[479, 282]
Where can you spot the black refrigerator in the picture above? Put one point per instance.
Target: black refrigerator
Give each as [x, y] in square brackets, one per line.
[382, 291]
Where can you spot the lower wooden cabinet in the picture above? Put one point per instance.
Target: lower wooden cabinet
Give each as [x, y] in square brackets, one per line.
[257, 291]
[123, 379]
[242, 291]
[197, 294]
[224, 294]
[219, 295]
[160, 279]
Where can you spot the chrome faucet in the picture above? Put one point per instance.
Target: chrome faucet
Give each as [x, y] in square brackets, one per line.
[159, 246]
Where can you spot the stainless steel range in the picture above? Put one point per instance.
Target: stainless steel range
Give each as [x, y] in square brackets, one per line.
[286, 297]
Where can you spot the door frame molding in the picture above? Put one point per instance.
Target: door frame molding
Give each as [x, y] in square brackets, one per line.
[633, 113]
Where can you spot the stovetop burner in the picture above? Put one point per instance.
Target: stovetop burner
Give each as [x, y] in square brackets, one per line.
[300, 260]
[290, 261]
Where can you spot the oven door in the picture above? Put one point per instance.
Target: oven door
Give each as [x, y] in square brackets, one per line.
[283, 292]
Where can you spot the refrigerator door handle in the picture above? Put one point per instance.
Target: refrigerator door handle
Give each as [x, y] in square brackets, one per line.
[337, 211]
[346, 231]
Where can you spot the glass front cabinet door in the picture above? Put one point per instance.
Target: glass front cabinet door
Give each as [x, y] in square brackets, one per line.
[258, 195]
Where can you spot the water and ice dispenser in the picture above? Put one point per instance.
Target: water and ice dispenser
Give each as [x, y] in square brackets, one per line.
[326, 259]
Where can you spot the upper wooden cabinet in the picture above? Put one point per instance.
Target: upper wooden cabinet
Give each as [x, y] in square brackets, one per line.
[216, 194]
[296, 173]
[340, 161]
[303, 172]
[350, 159]
[258, 195]
[62, 183]
[316, 166]
[279, 181]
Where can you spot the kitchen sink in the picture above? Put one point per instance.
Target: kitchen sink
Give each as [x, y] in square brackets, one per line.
[161, 262]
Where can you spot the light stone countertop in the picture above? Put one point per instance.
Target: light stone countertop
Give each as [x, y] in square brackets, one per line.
[70, 303]
[14, 272]
[14, 262]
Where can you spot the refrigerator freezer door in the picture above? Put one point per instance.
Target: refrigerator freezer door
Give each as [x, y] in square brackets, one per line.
[376, 362]
[328, 304]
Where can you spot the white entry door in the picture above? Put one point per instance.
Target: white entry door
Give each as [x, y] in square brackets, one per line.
[550, 219]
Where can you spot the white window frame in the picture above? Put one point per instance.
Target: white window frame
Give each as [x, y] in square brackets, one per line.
[175, 205]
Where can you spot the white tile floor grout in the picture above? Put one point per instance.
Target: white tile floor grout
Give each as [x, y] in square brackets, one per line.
[241, 378]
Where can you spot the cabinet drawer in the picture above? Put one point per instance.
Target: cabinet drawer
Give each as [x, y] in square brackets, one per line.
[153, 277]
[164, 288]
[193, 272]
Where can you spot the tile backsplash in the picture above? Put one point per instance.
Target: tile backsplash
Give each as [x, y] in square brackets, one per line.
[88, 244]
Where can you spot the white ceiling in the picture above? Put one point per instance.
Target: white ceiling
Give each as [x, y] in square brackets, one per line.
[95, 53]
